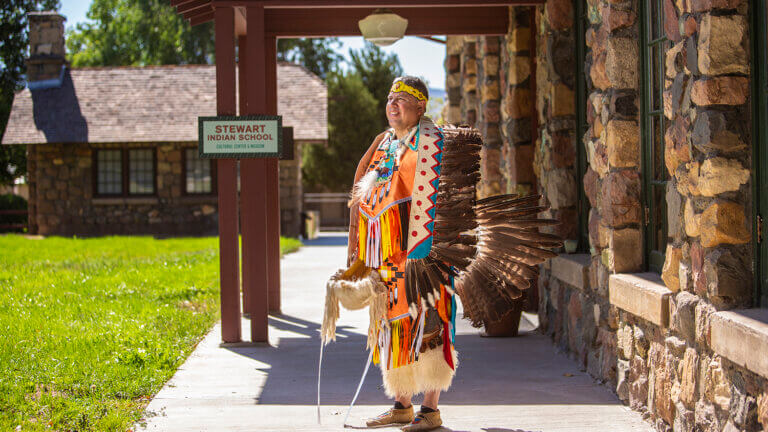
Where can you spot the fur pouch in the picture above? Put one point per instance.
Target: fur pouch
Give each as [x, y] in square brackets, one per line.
[355, 288]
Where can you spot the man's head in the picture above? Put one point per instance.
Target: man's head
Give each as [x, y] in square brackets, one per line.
[407, 102]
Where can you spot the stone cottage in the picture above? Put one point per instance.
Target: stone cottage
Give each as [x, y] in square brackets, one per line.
[642, 125]
[113, 150]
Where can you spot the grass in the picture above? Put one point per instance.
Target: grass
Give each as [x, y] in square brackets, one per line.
[91, 329]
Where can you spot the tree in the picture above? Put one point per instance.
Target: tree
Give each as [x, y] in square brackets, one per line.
[356, 114]
[352, 126]
[138, 32]
[377, 70]
[150, 32]
[317, 55]
[13, 50]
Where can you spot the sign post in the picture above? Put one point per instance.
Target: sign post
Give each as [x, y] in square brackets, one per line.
[253, 139]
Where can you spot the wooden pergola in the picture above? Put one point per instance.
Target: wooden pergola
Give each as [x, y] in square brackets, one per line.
[255, 25]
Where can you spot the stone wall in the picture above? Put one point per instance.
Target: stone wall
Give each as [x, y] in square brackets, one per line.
[664, 365]
[708, 257]
[518, 78]
[454, 46]
[62, 201]
[707, 152]
[555, 147]
[489, 116]
[468, 102]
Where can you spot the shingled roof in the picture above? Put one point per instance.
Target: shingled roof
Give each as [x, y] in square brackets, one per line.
[151, 104]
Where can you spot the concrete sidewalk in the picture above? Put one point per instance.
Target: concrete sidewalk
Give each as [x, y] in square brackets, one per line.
[502, 385]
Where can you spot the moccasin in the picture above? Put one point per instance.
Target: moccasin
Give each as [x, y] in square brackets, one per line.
[392, 416]
[424, 422]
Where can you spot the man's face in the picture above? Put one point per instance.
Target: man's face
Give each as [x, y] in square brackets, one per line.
[404, 110]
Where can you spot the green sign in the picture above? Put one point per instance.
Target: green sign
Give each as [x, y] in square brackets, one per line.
[237, 137]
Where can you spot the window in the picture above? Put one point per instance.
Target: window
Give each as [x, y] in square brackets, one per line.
[199, 174]
[109, 167]
[582, 22]
[760, 155]
[141, 178]
[654, 173]
[124, 172]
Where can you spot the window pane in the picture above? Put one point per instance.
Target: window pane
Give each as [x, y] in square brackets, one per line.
[657, 148]
[141, 174]
[109, 172]
[655, 19]
[659, 216]
[655, 78]
[198, 172]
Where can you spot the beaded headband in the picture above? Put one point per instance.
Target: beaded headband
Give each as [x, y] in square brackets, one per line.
[400, 86]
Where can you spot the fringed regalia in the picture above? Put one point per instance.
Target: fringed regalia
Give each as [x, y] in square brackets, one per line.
[396, 202]
[423, 236]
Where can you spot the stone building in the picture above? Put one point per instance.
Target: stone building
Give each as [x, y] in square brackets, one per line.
[113, 150]
[639, 123]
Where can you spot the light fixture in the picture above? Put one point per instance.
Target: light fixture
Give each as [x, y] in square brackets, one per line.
[383, 27]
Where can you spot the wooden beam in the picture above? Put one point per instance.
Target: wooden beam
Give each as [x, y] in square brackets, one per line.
[200, 19]
[434, 39]
[229, 266]
[374, 4]
[194, 13]
[192, 5]
[175, 3]
[242, 85]
[285, 23]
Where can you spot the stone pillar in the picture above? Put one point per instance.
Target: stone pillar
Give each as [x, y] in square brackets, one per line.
[612, 182]
[707, 151]
[489, 117]
[517, 113]
[555, 148]
[469, 81]
[454, 47]
[46, 46]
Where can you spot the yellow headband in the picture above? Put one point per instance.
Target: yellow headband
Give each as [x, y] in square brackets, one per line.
[403, 87]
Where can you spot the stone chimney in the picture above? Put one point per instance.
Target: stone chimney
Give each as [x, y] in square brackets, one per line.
[46, 48]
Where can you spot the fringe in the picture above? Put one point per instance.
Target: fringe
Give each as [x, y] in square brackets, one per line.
[399, 342]
[381, 237]
[354, 294]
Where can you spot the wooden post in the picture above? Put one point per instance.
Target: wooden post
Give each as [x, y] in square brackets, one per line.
[242, 48]
[273, 185]
[254, 185]
[227, 180]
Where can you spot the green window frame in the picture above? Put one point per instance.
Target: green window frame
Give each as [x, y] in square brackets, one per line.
[654, 46]
[759, 44]
[583, 206]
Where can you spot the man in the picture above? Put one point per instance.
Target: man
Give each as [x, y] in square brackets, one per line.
[392, 200]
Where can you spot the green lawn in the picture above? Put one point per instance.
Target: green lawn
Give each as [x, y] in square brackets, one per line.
[90, 329]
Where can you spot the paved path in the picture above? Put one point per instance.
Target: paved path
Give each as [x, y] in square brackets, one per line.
[503, 385]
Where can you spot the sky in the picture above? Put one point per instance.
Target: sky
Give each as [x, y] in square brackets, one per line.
[418, 56]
